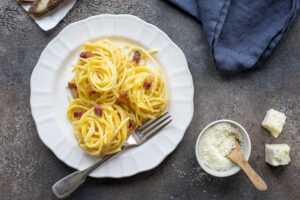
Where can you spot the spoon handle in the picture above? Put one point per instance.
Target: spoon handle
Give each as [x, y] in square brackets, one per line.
[257, 181]
[240, 160]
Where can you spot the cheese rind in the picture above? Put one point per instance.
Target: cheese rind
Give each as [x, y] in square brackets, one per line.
[274, 122]
[277, 154]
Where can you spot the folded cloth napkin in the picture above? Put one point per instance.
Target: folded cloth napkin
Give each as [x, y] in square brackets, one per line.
[241, 33]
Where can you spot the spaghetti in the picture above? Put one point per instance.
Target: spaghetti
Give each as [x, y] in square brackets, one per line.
[114, 92]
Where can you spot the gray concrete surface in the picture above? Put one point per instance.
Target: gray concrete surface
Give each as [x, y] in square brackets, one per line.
[28, 169]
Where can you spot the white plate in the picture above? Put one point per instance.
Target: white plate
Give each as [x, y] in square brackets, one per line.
[49, 102]
[51, 19]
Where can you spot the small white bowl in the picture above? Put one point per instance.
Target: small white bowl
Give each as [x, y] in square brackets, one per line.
[245, 147]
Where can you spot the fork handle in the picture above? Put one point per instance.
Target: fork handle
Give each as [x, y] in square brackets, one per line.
[65, 186]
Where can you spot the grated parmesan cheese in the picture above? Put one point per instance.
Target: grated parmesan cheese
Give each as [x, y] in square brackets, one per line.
[216, 143]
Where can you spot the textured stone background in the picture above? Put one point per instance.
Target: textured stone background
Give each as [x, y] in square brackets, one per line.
[28, 169]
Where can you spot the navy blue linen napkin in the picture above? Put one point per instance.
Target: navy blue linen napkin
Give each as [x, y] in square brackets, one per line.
[241, 33]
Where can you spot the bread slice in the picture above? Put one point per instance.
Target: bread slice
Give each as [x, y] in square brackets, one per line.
[40, 7]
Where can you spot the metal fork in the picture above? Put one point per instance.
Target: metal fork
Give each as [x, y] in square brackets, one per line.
[70, 183]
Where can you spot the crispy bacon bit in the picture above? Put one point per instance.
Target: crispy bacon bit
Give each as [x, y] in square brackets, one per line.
[118, 102]
[147, 85]
[124, 95]
[72, 85]
[148, 82]
[25, 1]
[131, 125]
[73, 89]
[98, 111]
[136, 57]
[86, 55]
[78, 114]
[92, 92]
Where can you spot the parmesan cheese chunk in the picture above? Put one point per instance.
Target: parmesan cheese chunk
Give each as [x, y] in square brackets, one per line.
[277, 154]
[274, 122]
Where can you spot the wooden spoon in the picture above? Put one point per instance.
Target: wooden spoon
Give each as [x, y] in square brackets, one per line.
[237, 156]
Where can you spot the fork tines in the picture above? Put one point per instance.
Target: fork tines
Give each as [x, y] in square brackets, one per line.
[152, 127]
